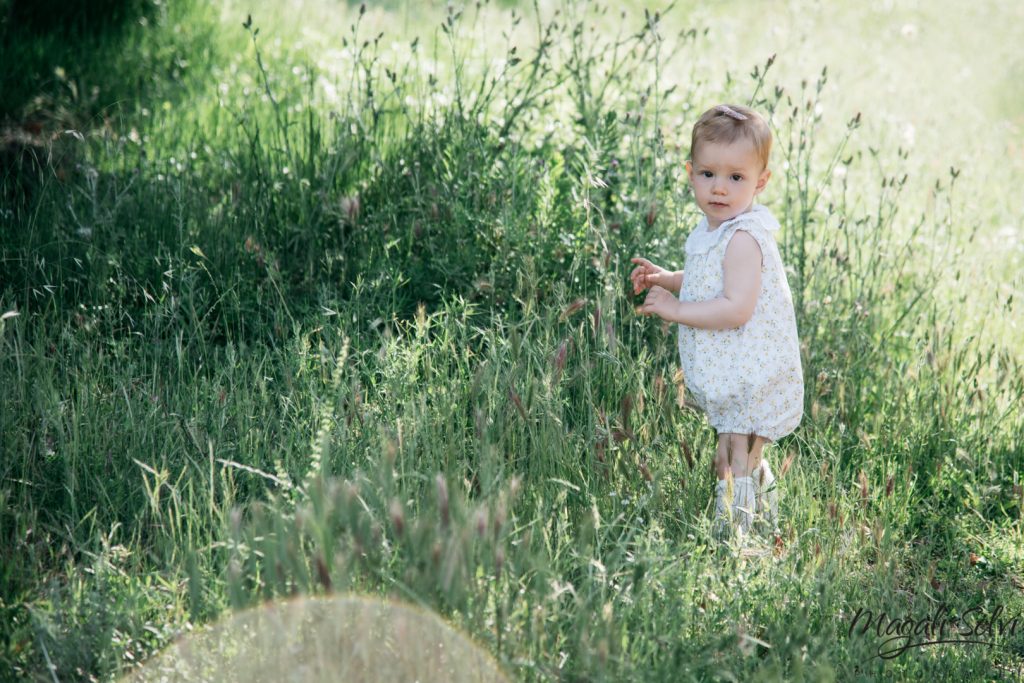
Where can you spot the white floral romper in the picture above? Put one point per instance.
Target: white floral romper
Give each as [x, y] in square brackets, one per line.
[746, 379]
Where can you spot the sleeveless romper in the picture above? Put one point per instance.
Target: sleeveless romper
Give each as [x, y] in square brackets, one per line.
[747, 379]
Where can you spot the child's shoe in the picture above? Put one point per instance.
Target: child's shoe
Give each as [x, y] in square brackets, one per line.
[743, 503]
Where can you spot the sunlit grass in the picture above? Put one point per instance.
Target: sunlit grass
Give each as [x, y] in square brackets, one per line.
[276, 336]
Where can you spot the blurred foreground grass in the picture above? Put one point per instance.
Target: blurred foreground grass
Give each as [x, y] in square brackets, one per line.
[346, 309]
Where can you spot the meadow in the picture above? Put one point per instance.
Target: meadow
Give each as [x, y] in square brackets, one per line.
[322, 298]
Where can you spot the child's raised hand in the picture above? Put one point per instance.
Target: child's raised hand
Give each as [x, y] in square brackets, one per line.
[647, 275]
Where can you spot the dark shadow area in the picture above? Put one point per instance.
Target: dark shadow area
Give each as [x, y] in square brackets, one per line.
[40, 39]
[72, 68]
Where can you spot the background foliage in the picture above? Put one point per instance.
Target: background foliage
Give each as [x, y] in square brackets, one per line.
[329, 298]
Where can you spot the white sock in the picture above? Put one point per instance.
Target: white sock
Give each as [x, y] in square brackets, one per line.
[743, 502]
[765, 492]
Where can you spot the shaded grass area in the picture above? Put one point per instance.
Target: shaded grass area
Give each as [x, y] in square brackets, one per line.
[276, 343]
[79, 64]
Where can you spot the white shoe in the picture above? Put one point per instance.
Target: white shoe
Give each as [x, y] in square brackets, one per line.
[743, 503]
[766, 493]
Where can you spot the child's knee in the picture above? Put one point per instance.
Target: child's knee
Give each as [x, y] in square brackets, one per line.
[740, 452]
[746, 444]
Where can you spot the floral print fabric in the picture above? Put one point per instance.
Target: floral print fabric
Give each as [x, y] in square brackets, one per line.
[746, 379]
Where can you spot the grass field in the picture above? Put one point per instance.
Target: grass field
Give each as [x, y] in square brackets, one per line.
[301, 299]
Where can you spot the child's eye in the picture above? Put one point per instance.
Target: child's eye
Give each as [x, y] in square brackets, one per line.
[737, 177]
[706, 174]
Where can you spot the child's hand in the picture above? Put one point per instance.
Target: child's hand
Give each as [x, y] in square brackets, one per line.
[659, 302]
[646, 275]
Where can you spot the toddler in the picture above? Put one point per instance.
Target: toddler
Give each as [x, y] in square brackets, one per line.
[738, 343]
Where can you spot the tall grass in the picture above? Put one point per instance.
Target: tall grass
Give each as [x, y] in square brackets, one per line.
[357, 326]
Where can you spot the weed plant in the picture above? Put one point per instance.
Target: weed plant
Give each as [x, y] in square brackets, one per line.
[364, 326]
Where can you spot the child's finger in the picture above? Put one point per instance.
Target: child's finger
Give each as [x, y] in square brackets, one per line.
[639, 283]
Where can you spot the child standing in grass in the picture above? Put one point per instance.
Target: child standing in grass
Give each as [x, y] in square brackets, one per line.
[738, 343]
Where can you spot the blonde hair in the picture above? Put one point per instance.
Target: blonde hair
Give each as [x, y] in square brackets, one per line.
[730, 122]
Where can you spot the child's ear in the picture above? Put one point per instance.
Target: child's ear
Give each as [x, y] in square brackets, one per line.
[689, 171]
[762, 180]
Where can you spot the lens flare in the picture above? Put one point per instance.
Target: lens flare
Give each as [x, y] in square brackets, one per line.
[340, 638]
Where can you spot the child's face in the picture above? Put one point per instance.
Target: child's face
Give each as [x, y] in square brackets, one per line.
[725, 178]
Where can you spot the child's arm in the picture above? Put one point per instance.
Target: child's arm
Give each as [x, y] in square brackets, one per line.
[741, 279]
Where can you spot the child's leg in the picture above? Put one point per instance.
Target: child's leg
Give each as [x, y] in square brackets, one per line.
[744, 458]
[723, 495]
[738, 454]
[746, 453]
[721, 462]
[765, 493]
